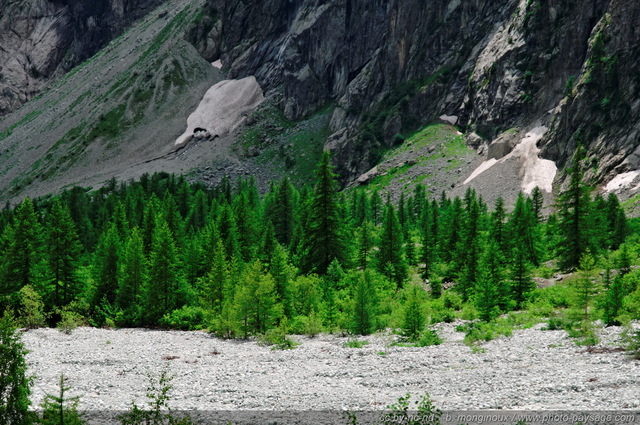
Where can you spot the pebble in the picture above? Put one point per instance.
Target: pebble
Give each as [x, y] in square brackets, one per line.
[532, 368]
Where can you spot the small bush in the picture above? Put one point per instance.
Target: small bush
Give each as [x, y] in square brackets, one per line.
[631, 341]
[556, 324]
[32, 308]
[14, 384]
[585, 333]
[469, 312]
[354, 343]
[58, 410]
[423, 412]
[446, 316]
[187, 318]
[428, 338]
[310, 325]
[69, 320]
[485, 331]
[452, 300]
[277, 338]
[159, 411]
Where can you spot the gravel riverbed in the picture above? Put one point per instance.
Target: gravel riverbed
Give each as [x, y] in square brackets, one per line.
[533, 369]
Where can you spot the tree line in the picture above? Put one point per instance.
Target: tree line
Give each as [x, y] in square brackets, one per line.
[164, 252]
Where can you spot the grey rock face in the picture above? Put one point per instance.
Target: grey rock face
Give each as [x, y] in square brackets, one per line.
[42, 39]
[394, 66]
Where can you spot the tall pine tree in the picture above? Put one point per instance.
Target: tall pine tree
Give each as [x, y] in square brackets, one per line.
[324, 238]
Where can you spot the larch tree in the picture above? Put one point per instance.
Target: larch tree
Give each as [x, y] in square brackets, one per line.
[365, 244]
[256, 305]
[22, 250]
[364, 304]
[215, 285]
[63, 249]
[132, 265]
[324, 238]
[105, 267]
[414, 319]
[390, 257]
[163, 287]
[573, 216]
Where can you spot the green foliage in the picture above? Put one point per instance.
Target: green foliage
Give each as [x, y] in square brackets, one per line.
[255, 301]
[186, 318]
[573, 211]
[162, 252]
[14, 384]
[631, 340]
[324, 238]
[32, 313]
[21, 250]
[420, 412]
[355, 343]
[585, 287]
[277, 337]
[613, 302]
[414, 318]
[390, 257]
[63, 251]
[158, 412]
[164, 284]
[364, 304]
[70, 318]
[585, 333]
[428, 338]
[60, 409]
[485, 331]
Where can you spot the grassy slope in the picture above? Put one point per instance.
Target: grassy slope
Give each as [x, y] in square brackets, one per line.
[432, 156]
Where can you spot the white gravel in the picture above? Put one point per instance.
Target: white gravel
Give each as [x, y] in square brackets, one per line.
[533, 369]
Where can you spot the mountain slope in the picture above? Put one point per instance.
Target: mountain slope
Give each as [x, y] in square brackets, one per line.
[112, 113]
[42, 40]
[396, 66]
[524, 80]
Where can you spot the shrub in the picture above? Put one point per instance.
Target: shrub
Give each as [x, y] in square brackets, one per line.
[428, 338]
[556, 324]
[631, 340]
[354, 343]
[32, 308]
[469, 312]
[159, 411]
[423, 412]
[277, 337]
[58, 410]
[585, 333]
[485, 331]
[446, 316]
[452, 300]
[187, 318]
[69, 320]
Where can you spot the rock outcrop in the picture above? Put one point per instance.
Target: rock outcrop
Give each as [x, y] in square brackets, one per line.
[42, 39]
[393, 66]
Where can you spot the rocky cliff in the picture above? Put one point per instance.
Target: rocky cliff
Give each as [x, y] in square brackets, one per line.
[42, 39]
[393, 66]
[524, 80]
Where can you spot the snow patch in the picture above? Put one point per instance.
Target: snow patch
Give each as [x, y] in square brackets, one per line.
[534, 170]
[622, 181]
[223, 108]
[217, 64]
[451, 119]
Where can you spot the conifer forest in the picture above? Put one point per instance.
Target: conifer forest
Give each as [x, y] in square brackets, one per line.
[163, 253]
